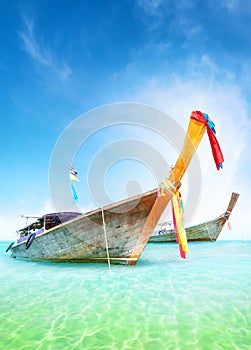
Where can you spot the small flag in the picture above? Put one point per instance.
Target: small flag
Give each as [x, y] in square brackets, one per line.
[74, 194]
[73, 177]
[73, 174]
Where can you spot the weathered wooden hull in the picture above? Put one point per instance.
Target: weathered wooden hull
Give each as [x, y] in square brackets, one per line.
[128, 224]
[83, 238]
[207, 231]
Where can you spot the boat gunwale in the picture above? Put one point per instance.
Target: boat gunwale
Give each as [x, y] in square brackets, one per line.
[86, 215]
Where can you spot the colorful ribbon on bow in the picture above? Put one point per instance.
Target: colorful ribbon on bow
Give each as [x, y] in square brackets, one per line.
[178, 223]
[216, 150]
[167, 187]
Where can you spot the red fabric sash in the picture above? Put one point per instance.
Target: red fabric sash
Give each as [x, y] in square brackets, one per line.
[216, 150]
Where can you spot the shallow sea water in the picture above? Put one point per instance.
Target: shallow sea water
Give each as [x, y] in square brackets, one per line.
[164, 302]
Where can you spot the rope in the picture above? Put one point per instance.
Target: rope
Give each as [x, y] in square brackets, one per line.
[106, 243]
[209, 232]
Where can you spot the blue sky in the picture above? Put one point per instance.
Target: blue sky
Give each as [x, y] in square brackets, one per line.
[60, 59]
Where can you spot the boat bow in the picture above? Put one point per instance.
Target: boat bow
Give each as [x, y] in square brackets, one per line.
[195, 132]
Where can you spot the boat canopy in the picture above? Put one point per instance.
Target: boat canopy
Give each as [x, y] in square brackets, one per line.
[54, 219]
[47, 222]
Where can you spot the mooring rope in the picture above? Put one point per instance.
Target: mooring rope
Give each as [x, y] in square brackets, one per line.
[106, 243]
[209, 233]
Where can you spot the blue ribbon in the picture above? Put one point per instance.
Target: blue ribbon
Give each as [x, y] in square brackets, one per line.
[74, 194]
[209, 123]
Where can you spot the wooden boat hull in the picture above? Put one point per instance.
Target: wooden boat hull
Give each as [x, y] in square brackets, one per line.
[127, 225]
[207, 231]
[83, 238]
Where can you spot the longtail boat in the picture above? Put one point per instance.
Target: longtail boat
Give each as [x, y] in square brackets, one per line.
[116, 233]
[206, 231]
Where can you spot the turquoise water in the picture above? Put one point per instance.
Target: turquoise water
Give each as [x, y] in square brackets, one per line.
[163, 302]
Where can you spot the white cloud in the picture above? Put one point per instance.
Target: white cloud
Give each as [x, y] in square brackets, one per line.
[231, 5]
[31, 45]
[40, 53]
[65, 72]
[229, 110]
[227, 107]
[206, 60]
[150, 6]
